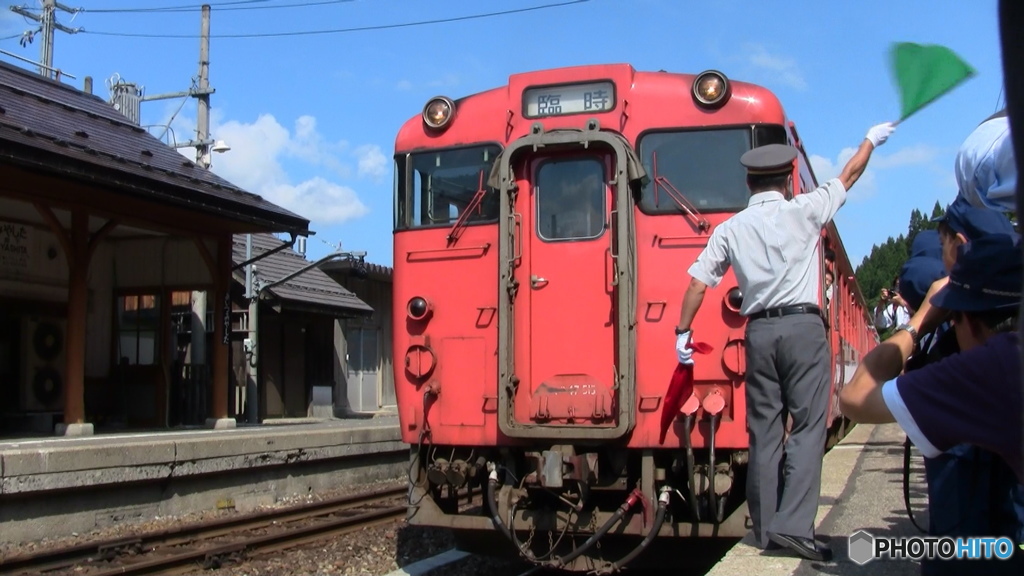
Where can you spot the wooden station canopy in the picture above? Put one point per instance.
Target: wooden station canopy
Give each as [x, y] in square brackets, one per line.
[73, 164]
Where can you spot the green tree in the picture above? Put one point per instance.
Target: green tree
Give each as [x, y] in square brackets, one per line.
[919, 222]
[882, 265]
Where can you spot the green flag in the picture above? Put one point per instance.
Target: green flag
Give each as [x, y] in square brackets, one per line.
[925, 72]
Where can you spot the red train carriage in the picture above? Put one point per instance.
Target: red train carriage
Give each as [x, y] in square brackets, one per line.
[543, 231]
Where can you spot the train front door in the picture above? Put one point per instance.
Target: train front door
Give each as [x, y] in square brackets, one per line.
[565, 322]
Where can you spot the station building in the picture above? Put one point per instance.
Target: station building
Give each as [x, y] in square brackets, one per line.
[368, 382]
[107, 239]
[300, 367]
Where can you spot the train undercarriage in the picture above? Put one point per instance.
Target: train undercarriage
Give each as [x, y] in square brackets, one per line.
[575, 507]
[579, 507]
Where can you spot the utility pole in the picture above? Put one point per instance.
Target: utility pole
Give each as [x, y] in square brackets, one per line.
[203, 98]
[48, 23]
[252, 348]
[203, 159]
[201, 91]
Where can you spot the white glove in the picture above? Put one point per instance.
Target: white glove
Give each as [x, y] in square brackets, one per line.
[877, 135]
[683, 351]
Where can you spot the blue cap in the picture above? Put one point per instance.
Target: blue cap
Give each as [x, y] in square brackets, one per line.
[973, 222]
[917, 275]
[987, 275]
[927, 243]
[986, 171]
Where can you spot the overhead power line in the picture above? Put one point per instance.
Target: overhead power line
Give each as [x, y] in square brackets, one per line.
[219, 7]
[158, 8]
[339, 30]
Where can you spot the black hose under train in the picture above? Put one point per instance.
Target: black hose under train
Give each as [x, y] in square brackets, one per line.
[659, 519]
[691, 495]
[712, 497]
[492, 505]
[564, 560]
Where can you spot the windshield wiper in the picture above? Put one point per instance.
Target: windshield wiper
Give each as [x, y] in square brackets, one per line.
[678, 197]
[474, 204]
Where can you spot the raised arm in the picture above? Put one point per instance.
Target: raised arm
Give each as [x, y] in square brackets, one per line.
[861, 399]
[853, 170]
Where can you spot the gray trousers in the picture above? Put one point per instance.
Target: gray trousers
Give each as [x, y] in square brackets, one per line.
[788, 371]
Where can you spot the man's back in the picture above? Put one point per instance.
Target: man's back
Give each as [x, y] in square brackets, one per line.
[772, 244]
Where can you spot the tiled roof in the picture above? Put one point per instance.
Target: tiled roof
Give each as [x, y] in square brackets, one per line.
[345, 267]
[311, 288]
[43, 120]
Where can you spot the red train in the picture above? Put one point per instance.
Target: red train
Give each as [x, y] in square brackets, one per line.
[543, 230]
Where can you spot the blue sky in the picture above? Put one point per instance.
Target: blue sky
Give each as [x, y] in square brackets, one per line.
[311, 119]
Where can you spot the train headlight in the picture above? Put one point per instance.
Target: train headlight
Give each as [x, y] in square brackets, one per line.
[734, 300]
[438, 112]
[711, 89]
[418, 308]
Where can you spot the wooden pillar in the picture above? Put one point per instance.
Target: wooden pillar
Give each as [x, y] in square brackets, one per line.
[78, 247]
[78, 294]
[220, 269]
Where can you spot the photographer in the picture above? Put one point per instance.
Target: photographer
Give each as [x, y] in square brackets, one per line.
[891, 310]
[971, 397]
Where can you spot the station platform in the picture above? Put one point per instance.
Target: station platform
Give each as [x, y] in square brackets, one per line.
[861, 488]
[57, 485]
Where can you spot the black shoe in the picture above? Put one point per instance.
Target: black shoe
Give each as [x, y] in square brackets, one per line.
[806, 547]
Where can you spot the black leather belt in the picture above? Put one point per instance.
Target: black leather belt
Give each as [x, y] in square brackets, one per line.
[786, 311]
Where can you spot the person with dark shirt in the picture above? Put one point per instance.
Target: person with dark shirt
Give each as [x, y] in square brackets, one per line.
[972, 397]
[971, 491]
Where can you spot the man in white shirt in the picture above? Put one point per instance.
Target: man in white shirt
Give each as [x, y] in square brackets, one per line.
[891, 310]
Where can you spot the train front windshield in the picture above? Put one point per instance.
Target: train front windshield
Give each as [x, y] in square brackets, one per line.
[435, 188]
[703, 165]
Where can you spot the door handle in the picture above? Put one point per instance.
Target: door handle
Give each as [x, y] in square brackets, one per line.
[536, 281]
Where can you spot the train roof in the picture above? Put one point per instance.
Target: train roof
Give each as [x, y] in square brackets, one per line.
[668, 92]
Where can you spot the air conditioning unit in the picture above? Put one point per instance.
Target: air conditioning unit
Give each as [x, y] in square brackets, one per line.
[43, 347]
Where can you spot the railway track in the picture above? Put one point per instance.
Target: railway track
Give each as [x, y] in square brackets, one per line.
[209, 544]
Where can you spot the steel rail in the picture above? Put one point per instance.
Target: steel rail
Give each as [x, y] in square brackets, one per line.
[210, 557]
[110, 548]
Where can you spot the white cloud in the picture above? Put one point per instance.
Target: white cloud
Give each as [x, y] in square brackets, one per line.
[254, 163]
[318, 199]
[911, 155]
[783, 70]
[866, 186]
[310, 146]
[259, 149]
[372, 161]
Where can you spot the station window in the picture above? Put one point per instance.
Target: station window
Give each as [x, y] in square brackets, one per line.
[703, 166]
[571, 199]
[138, 328]
[440, 185]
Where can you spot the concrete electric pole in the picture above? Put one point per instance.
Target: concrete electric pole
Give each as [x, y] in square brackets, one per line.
[48, 25]
[203, 159]
[201, 91]
[203, 97]
[252, 347]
